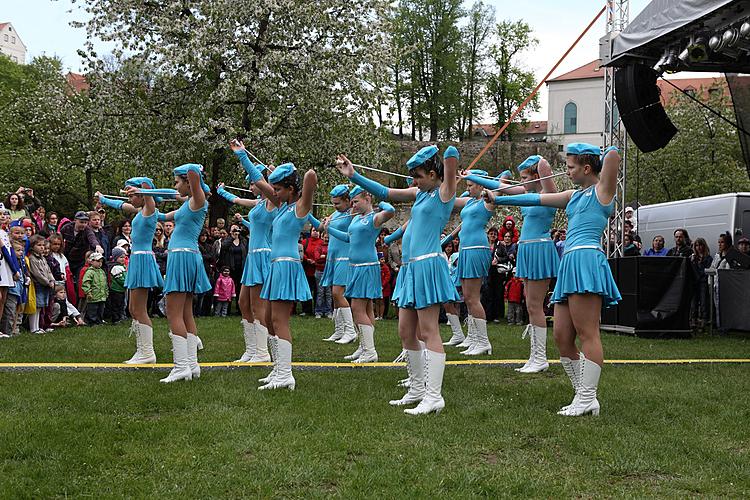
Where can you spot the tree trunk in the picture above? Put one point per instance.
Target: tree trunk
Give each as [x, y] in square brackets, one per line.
[217, 206]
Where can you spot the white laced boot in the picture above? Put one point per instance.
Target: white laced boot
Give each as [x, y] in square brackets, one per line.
[248, 332]
[482, 342]
[433, 399]
[135, 330]
[338, 331]
[193, 355]
[458, 333]
[469, 340]
[572, 369]
[527, 332]
[273, 340]
[261, 344]
[587, 402]
[415, 369]
[283, 378]
[538, 360]
[347, 325]
[401, 357]
[200, 343]
[181, 370]
[144, 339]
[369, 354]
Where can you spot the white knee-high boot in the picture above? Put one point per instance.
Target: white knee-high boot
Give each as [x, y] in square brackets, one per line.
[338, 332]
[261, 344]
[572, 369]
[347, 325]
[248, 332]
[144, 353]
[181, 370]
[538, 359]
[193, 355]
[358, 352]
[470, 338]
[415, 368]
[433, 398]
[367, 336]
[457, 333]
[586, 402]
[273, 340]
[136, 331]
[481, 340]
[283, 378]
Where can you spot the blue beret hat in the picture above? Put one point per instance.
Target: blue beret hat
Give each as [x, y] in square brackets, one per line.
[581, 148]
[477, 171]
[340, 190]
[192, 167]
[529, 162]
[281, 172]
[421, 156]
[504, 174]
[138, 182]
[355, 191]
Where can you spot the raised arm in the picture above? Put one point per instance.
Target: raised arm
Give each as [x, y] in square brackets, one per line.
[384, 193]
[544, 170]
[116, 204]
[450, 168]
[493, 184]
[197, 194]
[254, 172]
[386, 213]
[233, 198]
[305, 202]
[607, 186]
[557, 200]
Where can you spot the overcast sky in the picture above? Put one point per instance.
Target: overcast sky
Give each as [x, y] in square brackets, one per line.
[43, 25]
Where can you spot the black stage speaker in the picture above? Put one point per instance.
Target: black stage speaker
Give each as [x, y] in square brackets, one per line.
[640, 108]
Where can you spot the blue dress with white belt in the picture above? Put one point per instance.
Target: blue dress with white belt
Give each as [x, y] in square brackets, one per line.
[537, 257]
[364, 266]
[286, 279]
[185, 270]
[584, 267]
[143, 271]
[474, 250]
[258, 260]
[336, 271]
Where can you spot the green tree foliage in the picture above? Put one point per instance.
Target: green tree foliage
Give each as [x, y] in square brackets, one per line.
[509, 83]
[703, 159]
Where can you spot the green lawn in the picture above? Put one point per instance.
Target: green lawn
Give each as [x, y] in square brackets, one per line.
[674, 430]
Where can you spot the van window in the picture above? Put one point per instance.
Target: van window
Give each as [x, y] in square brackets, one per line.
[746, 223]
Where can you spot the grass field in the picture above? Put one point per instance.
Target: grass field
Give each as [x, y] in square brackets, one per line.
[665, 430]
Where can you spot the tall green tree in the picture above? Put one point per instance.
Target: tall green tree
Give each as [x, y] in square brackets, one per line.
[509, 83]
[481, 19]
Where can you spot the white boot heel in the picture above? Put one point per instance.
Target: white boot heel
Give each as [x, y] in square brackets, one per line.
[181, 370]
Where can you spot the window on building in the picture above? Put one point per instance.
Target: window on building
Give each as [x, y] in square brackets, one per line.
[15, 59]
[13, 40]
[6, 37]
[570, 120]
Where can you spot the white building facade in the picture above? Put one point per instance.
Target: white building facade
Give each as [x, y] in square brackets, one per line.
[11, 44]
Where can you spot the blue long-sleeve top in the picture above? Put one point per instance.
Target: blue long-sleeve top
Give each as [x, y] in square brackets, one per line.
[361, 236]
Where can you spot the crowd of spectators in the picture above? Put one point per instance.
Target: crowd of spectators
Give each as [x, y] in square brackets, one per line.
[71, 271]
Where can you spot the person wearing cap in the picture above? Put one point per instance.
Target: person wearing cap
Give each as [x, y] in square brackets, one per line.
[286, 282]
[584, 279]
[94, 285]
[185, 275]
[629, 212]
[743, 245]
[142, 270]
[263, 209]
[428, 283]
[79, 239]
[364, 283]
[537, 259]
[336, 271]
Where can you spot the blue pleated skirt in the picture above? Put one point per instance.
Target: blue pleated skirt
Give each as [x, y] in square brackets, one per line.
[537, 260]
[335, 273]
[364, 282]
[474, 263]
[427, 282]
[399, 282]
[143, 272]
[585, 271]
[185, 273]
[286, 281]
[257, 265]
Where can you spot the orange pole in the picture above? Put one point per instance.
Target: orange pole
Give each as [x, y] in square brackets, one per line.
[534, 92]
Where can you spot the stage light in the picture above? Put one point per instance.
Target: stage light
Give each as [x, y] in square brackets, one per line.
[696, 49]
[745, 29]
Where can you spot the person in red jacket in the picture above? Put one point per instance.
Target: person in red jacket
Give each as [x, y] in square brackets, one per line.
[514, 296]
[324, 298]
[509, 226]
[381, 305]
[310, 245]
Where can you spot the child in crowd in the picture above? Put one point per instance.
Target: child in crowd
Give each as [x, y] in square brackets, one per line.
[63, 313]
[514, 296]
[381, 305]
[118, 273]
[94, 285]
[44, 283]
[16, 299]
[223, 292]
[81, 294]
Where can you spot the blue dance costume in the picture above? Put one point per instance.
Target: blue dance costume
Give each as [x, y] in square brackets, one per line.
[400, 233]
[143, 271]
[584, 267]
[336, 271]
[364, 266]
[286, 280]
[258, 261]
[185, 271]
[537, 258]
[474, 254]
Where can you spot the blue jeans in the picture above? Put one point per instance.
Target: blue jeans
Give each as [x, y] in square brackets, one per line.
[325, 299]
